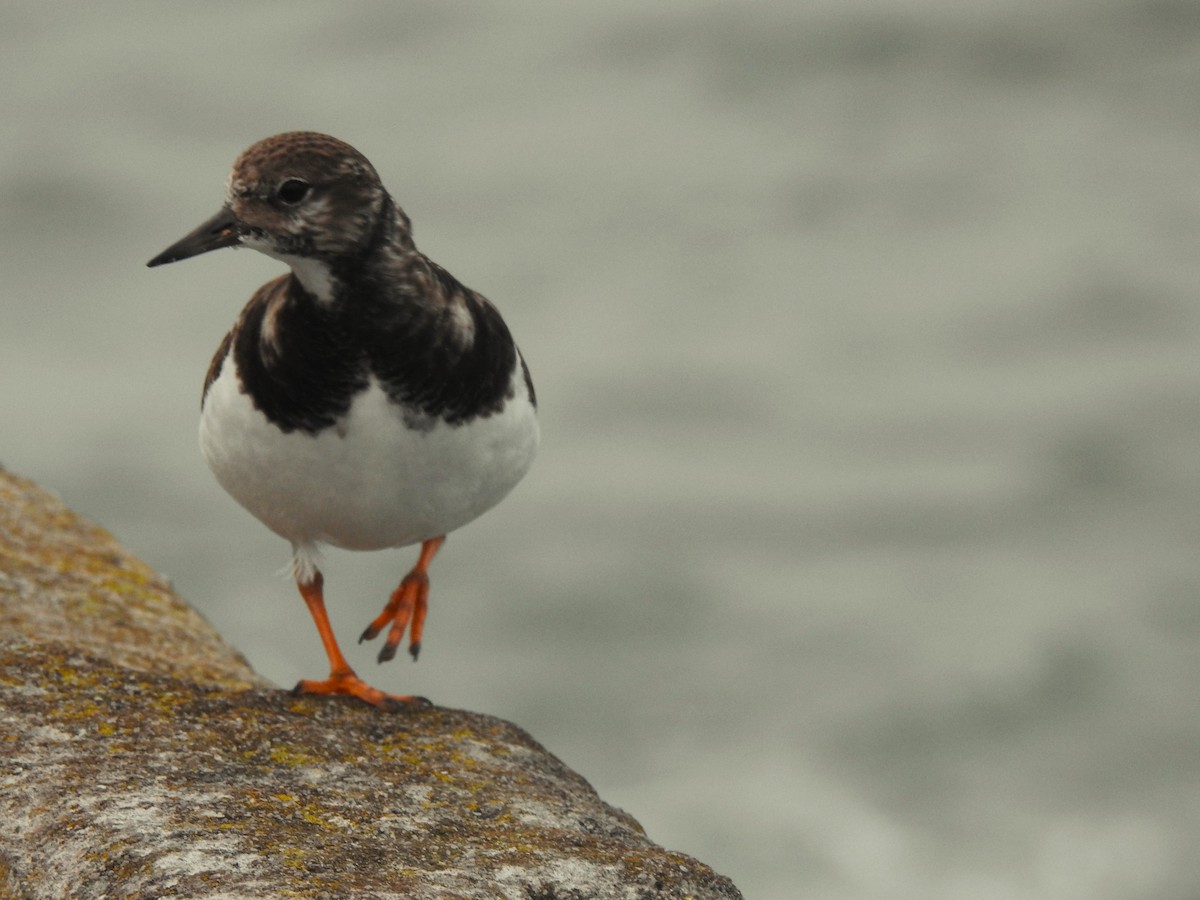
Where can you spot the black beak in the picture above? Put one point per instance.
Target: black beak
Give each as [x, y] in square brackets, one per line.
[222, 230]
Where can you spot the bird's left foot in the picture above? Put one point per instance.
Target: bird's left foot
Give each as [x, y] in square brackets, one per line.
[407, 605]
[406, 608]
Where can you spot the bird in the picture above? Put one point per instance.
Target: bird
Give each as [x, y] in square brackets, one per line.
[365, 399]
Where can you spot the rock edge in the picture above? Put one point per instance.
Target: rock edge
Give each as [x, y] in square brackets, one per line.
[140, 756]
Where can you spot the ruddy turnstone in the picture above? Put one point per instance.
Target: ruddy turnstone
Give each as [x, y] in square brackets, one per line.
[366, 399]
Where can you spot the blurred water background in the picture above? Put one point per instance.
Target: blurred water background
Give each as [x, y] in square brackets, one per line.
[861, 557]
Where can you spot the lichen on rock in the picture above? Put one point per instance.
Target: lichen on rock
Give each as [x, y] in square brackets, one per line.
[140, 756]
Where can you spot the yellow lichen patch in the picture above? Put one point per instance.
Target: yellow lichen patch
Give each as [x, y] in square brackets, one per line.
[167, 702]
[293, 858]
[301, 708]
[311, 813]
[286, 755]
[73, 677]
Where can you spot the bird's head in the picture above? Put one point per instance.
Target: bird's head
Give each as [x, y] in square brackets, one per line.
[302, 197]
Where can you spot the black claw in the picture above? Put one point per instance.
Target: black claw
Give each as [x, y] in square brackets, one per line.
[368, 634]
[296, 691]
[414, 650]
[386, 652]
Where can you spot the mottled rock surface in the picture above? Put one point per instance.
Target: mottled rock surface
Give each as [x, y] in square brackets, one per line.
[140, 756]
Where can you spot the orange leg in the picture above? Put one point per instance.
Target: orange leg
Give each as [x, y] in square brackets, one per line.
[408, 603]
[342, 679]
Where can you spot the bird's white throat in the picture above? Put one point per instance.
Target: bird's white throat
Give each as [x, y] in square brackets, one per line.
[314, 276]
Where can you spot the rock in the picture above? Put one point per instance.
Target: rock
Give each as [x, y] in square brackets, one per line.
[140, 756]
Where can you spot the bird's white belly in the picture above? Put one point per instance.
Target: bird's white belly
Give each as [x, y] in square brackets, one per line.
[369, 482]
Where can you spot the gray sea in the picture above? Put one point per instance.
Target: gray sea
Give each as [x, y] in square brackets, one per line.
[862, 557]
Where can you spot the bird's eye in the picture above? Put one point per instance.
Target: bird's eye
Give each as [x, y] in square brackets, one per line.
[293, 191]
